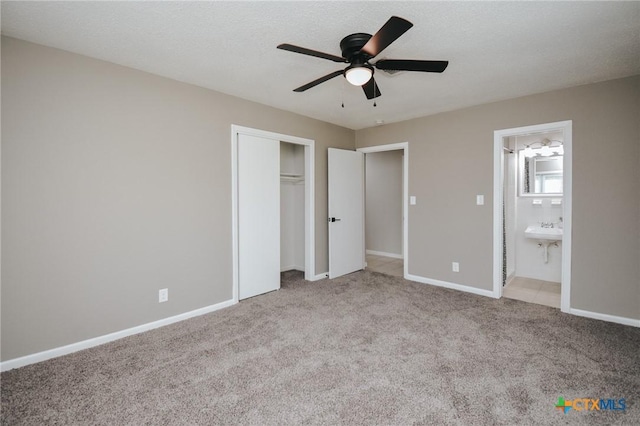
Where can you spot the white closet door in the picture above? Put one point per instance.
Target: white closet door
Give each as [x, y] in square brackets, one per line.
[258, 215]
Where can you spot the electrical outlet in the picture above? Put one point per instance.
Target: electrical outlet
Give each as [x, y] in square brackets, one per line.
[163, 295]
[455, 267]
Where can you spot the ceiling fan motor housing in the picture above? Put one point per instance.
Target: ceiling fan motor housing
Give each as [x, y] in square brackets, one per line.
[351, 46]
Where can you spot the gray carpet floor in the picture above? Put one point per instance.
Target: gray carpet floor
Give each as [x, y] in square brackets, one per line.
[362, 349]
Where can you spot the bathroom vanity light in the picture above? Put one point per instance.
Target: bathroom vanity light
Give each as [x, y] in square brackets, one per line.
[545, 150]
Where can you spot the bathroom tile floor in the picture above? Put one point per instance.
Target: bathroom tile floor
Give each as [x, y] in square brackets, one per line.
[533, 291]
[385, 265]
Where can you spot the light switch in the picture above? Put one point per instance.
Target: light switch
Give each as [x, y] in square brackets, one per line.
[412, 200]
[480, 200]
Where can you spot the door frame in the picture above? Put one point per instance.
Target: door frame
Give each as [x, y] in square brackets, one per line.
[404, 146]
[309, 198]
[498, 197]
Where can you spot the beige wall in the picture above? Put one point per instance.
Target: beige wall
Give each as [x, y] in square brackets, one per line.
[116, 183]
[451, 161]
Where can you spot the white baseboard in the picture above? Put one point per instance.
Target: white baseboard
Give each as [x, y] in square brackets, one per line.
[385, 254]
[321, 276]
[454, 286]
[605, 317]
[96, 341]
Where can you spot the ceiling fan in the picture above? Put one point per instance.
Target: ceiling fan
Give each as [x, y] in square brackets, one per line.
[359, 48]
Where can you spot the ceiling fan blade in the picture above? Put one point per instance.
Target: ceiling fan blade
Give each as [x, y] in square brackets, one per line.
[305, 51]
[411, 65]
[371, 89]
[386, 35]
[318, 81]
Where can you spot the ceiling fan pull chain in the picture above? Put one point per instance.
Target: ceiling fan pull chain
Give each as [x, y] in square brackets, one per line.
[374, 96]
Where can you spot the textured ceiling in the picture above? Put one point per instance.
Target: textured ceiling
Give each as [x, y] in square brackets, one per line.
[497, 50]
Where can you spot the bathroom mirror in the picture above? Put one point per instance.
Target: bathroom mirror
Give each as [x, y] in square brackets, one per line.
[540, 175]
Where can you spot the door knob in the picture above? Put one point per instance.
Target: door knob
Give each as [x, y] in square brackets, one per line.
[333, 219]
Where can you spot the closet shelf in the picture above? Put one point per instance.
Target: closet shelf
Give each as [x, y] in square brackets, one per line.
[291, 177]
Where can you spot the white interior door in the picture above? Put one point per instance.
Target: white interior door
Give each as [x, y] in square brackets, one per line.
[346, 212]
[258, 215]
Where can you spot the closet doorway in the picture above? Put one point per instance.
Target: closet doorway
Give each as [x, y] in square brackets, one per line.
[386, 200]
[272, 207]
[292, 191]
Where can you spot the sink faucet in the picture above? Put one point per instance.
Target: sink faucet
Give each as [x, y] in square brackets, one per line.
[546, 224]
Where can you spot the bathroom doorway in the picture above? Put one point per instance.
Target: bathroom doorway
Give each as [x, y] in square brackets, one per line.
[532, 214]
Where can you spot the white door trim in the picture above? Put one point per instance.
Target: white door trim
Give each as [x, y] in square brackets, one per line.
[309, 198]
[498, 195]
[404, 146]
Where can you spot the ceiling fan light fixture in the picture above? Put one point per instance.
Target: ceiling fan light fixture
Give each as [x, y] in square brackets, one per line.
[358, 75]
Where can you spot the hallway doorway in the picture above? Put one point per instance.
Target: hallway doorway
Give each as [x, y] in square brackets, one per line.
[386, 200]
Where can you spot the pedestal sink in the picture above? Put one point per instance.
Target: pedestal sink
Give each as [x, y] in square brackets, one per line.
[537, 232]
[544, 236]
